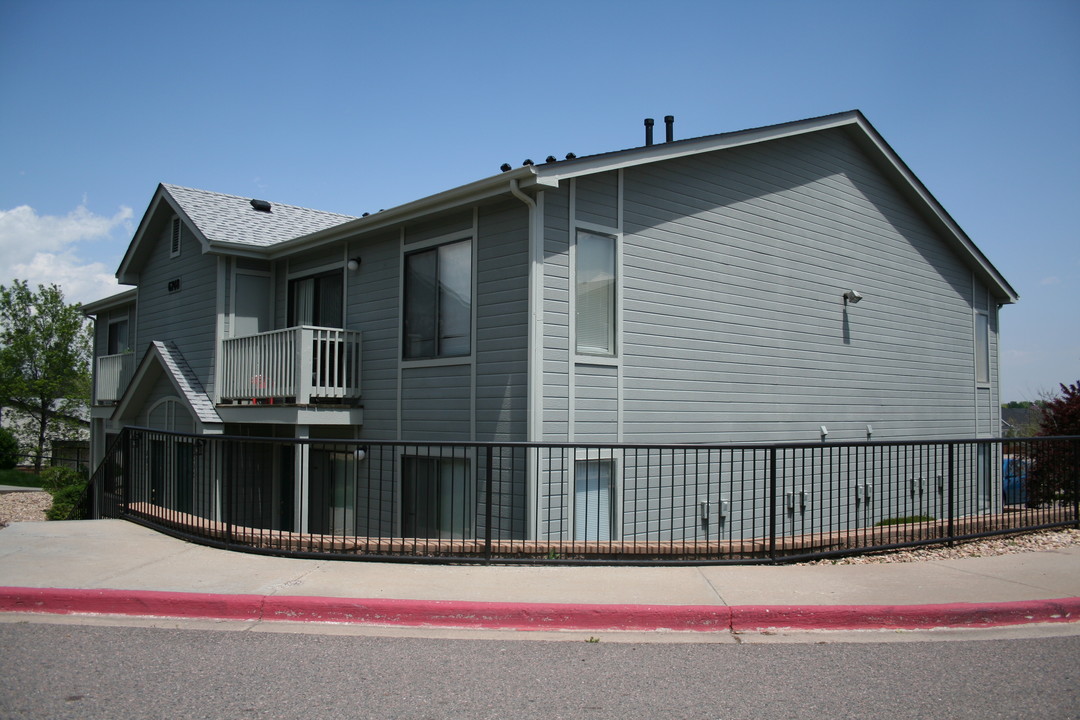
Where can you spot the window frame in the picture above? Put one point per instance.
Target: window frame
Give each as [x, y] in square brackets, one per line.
[466, 500]
[981, 333]
[613, 460]
[435, 245]
[614, 336]
[338, 271]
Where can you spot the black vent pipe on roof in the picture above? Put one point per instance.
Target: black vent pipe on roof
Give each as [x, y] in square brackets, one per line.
[649, 122]
[669, 131]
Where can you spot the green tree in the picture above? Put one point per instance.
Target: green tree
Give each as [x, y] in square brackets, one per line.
[44, 360]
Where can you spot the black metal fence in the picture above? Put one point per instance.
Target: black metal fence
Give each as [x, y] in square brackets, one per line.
[580, 503]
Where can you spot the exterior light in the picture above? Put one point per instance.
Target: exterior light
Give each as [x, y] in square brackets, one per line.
[852, 296]
[353, 264]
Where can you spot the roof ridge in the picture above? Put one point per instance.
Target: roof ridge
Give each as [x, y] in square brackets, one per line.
[232, 196]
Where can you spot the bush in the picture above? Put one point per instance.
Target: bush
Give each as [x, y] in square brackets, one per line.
[9, 449]
[68, 488]
[68, 503]
[1052, 478]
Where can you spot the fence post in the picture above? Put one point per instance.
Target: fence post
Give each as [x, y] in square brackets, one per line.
[488, 505]
[772, 503]
[952, 485]
[128, 470]
[227, 475]
[1076, 482]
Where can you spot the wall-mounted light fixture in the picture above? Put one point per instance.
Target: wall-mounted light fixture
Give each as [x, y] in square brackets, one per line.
[353, 264]
[852, 296]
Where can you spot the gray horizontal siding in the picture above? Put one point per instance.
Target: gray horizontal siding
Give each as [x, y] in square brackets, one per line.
[502, 323]
[556, 318]
[597, 199]
[372, 307]
[735, 330]
[187, 317]
[436, 403]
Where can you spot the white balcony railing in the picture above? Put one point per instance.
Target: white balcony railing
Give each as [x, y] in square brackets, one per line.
[300, 363]
[112, 376]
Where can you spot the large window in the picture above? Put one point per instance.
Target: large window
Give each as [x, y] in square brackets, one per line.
[436, 498]
[438, 302]
[595, 294]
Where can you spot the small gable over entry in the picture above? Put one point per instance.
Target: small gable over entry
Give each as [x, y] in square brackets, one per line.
[165, 394]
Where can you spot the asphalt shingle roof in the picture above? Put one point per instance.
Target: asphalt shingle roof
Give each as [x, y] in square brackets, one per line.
[189, 383]
[232, 219]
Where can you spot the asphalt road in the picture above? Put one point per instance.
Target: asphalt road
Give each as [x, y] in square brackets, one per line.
[84, 671]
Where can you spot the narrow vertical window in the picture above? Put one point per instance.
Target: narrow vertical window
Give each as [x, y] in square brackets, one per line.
[595, 294]
[438, 302]
[174, 238]
[982, 347]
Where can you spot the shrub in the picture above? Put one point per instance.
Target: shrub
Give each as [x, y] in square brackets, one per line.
[9, 449]
[1052, 477]
[68, 503]
[68, 488]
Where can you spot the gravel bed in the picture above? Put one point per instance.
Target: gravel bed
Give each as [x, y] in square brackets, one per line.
[1000, 545]
[23, 507]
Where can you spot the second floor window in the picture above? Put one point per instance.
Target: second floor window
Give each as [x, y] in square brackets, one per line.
[438, 302]
[595, 294]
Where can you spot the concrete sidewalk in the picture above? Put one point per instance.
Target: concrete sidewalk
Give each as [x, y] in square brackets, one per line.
[117, 567]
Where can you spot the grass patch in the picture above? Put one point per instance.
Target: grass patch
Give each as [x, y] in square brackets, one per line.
[905, 520]
[18, 478]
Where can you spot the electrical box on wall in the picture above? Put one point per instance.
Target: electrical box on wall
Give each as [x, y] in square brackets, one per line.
[174, 285]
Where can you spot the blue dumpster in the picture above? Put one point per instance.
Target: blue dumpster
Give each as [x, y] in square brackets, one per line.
[1014, 480]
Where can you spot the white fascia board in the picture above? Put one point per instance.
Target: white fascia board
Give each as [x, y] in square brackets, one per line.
[568, 169]
[489, 187]
[1003, 290]
[127, 297]
[161, 195]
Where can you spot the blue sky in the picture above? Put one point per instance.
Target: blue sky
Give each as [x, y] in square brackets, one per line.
[357, 106]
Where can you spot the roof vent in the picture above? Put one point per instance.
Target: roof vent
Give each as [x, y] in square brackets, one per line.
[261, 205]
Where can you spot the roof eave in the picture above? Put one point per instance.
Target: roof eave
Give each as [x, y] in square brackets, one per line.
[120, 299]
[527, 177]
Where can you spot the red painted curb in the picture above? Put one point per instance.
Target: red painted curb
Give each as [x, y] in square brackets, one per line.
[903, 617]
[534, 616]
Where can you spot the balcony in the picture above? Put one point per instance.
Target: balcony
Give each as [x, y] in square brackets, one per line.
[302, 365]
[112, 377]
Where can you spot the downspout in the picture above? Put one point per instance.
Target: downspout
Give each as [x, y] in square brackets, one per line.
[535, 315]
[534, 361]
